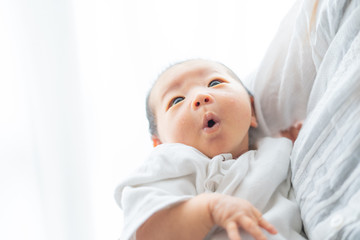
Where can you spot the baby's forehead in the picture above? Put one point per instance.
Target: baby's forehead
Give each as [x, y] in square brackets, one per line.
[190, 68]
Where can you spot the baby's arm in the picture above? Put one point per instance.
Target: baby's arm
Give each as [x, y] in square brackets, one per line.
[194, 218]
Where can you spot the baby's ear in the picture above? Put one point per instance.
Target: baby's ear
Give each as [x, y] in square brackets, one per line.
[156, 140]
[253, 122]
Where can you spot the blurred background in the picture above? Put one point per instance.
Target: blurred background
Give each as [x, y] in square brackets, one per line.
[73, 79]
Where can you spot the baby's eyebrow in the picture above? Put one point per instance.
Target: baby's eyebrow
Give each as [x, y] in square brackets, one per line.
[171, 88]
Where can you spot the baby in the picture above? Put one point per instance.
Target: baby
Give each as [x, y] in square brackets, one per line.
[203, 180]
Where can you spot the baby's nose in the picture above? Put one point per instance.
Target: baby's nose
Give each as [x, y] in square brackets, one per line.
[201, 99]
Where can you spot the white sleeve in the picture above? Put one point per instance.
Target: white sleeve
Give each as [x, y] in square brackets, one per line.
[170, 175]
[283, 82]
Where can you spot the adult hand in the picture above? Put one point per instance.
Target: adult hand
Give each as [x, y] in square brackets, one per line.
[292, 132]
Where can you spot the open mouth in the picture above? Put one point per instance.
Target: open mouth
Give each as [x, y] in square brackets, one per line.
[211, 122]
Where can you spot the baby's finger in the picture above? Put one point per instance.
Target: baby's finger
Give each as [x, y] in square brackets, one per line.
[252, 227]
[232, 230]
[263, 223]
[267, 226]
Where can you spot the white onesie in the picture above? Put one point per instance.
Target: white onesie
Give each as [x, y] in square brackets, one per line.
[176, 172]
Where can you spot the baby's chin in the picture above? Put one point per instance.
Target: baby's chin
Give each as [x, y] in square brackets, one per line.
[215, 152]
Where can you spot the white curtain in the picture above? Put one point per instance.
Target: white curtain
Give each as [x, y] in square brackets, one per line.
[73, 80]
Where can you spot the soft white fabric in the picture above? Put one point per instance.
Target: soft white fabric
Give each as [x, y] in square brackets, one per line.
[305, 53]
[176, 172]
[283, 82]
[312, 71]
[325, 161]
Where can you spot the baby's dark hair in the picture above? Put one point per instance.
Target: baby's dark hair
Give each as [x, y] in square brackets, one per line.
[149, 111]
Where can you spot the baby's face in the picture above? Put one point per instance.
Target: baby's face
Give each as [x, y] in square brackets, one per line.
[199, 104]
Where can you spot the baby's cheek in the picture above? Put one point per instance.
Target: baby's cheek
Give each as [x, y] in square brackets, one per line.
[238, 105]
[180, 128]
[237, 99]
[182, 121]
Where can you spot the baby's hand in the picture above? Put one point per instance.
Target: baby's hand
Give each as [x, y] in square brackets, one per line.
[232, 212]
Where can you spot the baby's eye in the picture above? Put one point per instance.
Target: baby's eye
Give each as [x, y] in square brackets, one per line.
[214, 83]
[175, 100]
